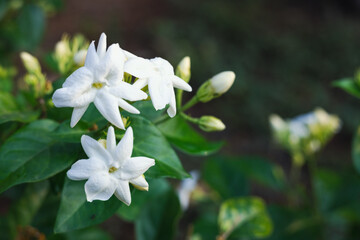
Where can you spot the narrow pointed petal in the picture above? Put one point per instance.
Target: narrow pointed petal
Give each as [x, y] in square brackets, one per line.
[127, 91]
[92, 58]
[124, 148]
[156, 90]
[69, 97]
[172, 109]
[93, 149]
[112, 64]
[129, 55]
[77, 113]
[122, 192]
[84, 168]
[140, 183]
[134, 167]
[111, 140]
[81, 79]
[127, 106]
[163, 65]
[180, 83]
[101, 48]
[108, 107]
[140, 83]
[100, 186]
[139, 67]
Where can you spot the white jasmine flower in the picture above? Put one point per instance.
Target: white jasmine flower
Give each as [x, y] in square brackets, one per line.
[110, 167]
[100, 82]
[159, 75]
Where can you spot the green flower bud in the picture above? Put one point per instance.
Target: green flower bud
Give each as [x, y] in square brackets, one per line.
[211, 124]
[183, 69]
[80, 56]
[216, 86]
[32, 65]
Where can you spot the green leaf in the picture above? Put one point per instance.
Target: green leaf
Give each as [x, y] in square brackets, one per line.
[19, 117]
[31, 25]
[76, 213]
[349, 86]
[35, 153]
[184, 137]
[356, 150]
[159, 217]
[244, 217]
[149, 142]
[7, 103]
[224, 178]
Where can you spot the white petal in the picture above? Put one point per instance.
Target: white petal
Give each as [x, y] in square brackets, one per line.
[156, 90]
[111, 140]
[127, 91]
[112, 65]
[84, 168]
[124, 148]
[100, 186]
[108, 107]
[180, 83]
[140, 183]
[77, 113]
[172, 109]
[127, 106]
[93, 149]
[69, 97]
[134, 167]
[141, 83]
[81, 79]
[139, 67]
[122, 192]
[92, 59]
[163, 65]
[129, 55]
[101, 48]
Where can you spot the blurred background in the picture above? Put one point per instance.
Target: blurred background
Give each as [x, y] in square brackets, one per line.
[285, 54]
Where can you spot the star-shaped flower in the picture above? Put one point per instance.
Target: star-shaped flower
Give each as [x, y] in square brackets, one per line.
[159, 75]
[100, 81]
[110, 168]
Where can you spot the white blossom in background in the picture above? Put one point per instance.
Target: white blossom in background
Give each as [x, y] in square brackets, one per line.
[100, 81]
[159, 75]
[110, 168]
[186, 187]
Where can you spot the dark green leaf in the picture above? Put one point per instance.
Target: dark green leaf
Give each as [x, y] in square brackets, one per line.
[159, 217]
[35, 153]
[356, 150]
[149, 142]
[349, 86]
[244, 217]
[19, 117]
[184, 137]
[76, 213]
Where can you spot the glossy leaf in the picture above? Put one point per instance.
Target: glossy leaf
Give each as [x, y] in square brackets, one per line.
[185, 138]
[19, 117]
[244, 217]
[76, 213]
[159, 217]
[149, 142]
[349, 86]
[35, 153]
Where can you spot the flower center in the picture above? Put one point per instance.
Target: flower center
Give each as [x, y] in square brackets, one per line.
[112, 169]
[98, 85]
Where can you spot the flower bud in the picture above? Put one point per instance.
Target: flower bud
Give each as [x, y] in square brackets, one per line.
[183, 69]
[32, 65]
[216, 86]
[79, 57]
[211, 124]
[222, 82]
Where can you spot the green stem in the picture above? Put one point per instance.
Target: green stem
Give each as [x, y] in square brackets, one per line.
[179, 98]
[190, 103]
[188, 118]
[312, 171]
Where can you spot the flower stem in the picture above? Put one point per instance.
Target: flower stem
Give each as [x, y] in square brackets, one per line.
[179, 94]
[190, 103]
[188, 118]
